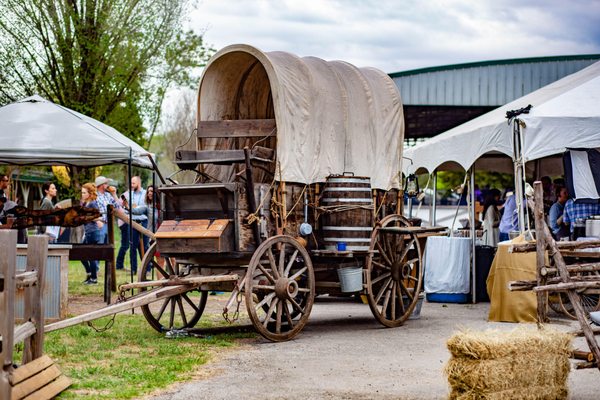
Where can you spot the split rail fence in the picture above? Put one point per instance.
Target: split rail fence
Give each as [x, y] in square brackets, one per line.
[37, 377]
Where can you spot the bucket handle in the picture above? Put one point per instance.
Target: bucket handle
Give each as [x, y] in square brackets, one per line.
[346, 173]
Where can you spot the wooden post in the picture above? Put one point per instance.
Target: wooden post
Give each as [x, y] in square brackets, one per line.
[540, 248]
[37, 256]
[8, 265]
[250, 195]
[574, 297]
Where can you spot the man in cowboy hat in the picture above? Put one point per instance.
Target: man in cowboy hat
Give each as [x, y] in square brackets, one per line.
[106, 195]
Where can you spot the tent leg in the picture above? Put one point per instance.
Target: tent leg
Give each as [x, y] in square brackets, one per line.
[473, 235]
[434, 201]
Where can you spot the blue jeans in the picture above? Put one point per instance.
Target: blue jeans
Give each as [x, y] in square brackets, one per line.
[136, 245]
[91, 267]
[503, 237]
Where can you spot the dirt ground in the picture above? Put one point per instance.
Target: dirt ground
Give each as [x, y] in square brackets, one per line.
[343, 353]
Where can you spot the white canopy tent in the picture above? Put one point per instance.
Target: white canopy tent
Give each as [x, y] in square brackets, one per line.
[565, 114]
[35, 131]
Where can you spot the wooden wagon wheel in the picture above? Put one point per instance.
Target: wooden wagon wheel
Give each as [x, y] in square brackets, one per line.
[175, 312]
[589, 301]
[280, 286]
[394, 272]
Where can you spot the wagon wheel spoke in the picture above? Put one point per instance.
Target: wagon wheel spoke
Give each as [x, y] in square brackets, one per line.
[380, 278]
[400, 298]
[407, 248]
[190, 302]
[272, 307]
[272, 263]
[172, 315]
[385, 300]
[406, 292]
[394, 299]
[383, 254]
[162, 309]
[281, 264]
[278, 317]
[181, 310]
[290, 263]
[264, 301]
[296, 306]
[266, 273]
[298, 273]
[288, 316]
[380, 265]
[170, 269]
[382, 290]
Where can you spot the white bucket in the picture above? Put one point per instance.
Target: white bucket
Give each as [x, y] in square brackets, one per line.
[351, 279]
[416, 314]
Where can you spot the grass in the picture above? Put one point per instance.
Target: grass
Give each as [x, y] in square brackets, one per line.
[130, 359]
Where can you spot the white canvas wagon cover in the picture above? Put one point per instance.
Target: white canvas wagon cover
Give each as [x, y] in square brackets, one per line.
[331, 117]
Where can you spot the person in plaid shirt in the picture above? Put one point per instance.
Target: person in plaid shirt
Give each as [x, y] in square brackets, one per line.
[105, 197]
[574, 211]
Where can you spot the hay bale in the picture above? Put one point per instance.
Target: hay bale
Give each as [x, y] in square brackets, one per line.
[523, 363]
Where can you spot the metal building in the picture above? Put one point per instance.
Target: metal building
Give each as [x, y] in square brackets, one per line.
[439, 98]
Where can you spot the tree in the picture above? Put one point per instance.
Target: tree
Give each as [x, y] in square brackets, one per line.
[179, 133]
[112, 60]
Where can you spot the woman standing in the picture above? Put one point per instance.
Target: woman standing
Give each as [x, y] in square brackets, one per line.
[491, 218]
[49, 190]
[92, 230]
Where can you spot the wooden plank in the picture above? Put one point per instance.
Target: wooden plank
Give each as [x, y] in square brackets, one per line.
[139, 300]
[29, 369]
[236, 128]
[24, 331]
[51, 390]
[180, 281]
[37, 256]
[26, 279]
[35, 382]
[86, 252]
[8, 262]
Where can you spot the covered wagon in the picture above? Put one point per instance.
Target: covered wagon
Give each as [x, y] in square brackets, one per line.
[298, 166]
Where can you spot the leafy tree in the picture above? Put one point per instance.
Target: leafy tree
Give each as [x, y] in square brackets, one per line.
[112, 60]
[179, 133]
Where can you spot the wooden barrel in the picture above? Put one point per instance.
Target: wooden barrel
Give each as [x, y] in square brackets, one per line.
[350, 220]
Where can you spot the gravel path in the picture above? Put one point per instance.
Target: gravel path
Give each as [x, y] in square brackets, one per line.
[343, 353]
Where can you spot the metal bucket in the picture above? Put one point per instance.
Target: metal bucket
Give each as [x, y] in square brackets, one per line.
[350, 219]
[351, 279]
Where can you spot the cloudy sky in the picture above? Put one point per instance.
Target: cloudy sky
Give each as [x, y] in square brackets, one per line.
[404, 34]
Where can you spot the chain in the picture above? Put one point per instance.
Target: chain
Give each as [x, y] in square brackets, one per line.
[108, 325]
[236, 314]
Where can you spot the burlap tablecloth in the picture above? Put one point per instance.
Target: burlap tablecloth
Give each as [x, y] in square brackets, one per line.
[507, 306]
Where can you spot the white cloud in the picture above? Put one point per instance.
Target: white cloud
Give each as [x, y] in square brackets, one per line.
[399, 35]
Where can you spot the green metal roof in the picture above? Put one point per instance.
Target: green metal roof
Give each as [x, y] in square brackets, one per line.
[495, 62]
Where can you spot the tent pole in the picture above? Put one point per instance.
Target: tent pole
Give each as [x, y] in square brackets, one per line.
[434, 200]
[130, 227]
[473, 233]
[517, 159]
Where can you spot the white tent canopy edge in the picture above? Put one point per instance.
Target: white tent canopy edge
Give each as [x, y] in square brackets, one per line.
[36, 131]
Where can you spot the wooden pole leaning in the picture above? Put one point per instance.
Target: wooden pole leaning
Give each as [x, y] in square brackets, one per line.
[538, 211]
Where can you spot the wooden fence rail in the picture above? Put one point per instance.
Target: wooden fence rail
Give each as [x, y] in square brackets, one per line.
[37, 376]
